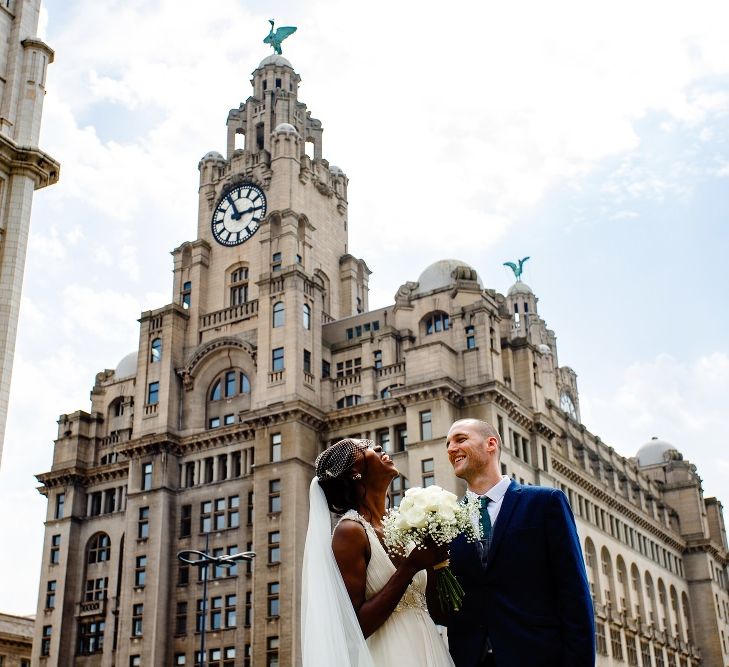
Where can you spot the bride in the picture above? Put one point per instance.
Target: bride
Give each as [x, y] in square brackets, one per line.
[351, 588]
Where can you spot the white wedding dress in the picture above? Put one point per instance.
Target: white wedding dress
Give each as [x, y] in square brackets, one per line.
[408, 636]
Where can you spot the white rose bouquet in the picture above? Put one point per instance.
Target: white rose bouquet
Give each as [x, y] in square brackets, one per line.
[433, 513]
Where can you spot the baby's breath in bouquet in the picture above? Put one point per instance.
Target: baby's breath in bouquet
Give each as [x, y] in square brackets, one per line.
[432, 513]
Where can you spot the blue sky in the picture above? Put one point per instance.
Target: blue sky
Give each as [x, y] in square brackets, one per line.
[594, 140]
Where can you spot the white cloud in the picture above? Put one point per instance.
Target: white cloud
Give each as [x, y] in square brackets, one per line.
[681, 401]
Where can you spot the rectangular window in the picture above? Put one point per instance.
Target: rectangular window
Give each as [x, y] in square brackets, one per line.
[236, 463]
[616, 644]
[91, 637]
[233, 511]
[153, 393]
[326, 369]
[249, 509]
[209, 469]
[94, 508]
[228, 420]
[146, 476]
[274, 547]
[246, 655]
[248, 609]
[185, 520]
[216, 612]
[545, 459]
[179, 659]
[274, 496]
[181, 619]
[137, 617]
[214, 422]
[183, 575]
[426, 425]
[140, 571]
[275, 447]
[273, 600]
[277, 359]
[51, 595]
[272, 652]
[632, 651]
[143, 523]
[378, 358]
[383, 439]
[276, 261]
[601, 641]
[186, 293]
[55, 549]
[470, 338]
[230, 613]
[428, 470]
[60, 502]
[135, 661]
[96, 589]
[401, 438]
[46, 640]
[206, 516]
[219, 514]
[307, 362]
[199, 615]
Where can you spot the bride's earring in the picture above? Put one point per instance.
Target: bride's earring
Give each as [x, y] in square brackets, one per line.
[356, 477]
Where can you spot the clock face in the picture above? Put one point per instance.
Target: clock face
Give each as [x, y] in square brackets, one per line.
[567, 404]
[238, 214]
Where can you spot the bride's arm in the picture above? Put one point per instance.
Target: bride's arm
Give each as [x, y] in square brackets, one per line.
[352, 552]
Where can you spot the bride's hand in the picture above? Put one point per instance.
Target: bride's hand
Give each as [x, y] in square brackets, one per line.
[427, 557]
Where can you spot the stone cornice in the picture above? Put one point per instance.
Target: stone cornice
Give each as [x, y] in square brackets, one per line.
[625, 510]
[30, 161]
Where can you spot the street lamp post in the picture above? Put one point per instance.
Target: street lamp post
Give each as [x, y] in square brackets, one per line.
[202, 559]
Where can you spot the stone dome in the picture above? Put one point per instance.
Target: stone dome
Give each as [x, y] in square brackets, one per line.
[127, 367]
[275, 59]
[654, 452]
[441, 274]
[285, 128]
[337, 171]
[213, 155]
[519, 288]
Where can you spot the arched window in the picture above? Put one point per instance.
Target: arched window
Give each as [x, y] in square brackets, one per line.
[239, 286]
[278, 314]
[349, 401]
[593, 576]
[99, 548]
[623, 587]
[156, 355]
[607, 571]
[229, 393]
[435, 322]
[307, 317]
[116, 408]
[637, 591]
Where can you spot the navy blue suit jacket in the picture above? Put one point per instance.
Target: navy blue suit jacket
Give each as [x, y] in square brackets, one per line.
[531, 599]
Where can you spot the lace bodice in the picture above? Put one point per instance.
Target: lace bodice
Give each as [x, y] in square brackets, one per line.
[381, 568]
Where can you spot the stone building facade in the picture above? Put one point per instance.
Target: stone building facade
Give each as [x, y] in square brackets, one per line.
[16, 640]
[268, 353]
[24, 168]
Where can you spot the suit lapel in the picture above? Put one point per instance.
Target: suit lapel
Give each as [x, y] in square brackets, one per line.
[511, 499]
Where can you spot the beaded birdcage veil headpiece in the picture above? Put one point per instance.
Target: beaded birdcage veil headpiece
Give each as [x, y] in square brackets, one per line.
[340, 457]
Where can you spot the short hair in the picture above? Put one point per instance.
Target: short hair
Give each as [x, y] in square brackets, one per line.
[485, 429]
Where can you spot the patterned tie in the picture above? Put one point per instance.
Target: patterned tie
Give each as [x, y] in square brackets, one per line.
[485, 521]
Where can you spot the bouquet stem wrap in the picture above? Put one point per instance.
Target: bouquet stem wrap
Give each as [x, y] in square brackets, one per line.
[450, 591]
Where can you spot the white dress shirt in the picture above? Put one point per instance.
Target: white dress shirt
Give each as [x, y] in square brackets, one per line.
[496, 494]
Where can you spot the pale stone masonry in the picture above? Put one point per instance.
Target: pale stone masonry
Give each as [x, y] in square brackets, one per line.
[24, 168]
[268, 353]
[16, 640]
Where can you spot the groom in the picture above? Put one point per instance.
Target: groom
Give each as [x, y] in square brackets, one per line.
[527, 602]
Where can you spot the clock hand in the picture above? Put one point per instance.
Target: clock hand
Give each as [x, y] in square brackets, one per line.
[236, 214]
[249, 210]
